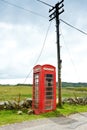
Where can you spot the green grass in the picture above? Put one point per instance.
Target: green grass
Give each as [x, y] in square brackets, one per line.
[12, 92]
[8, 117]
[74, 91]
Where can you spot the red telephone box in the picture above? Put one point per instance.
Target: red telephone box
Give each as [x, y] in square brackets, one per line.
[44, 88]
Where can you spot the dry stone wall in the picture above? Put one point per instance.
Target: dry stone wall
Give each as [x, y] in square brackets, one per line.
[10, 105]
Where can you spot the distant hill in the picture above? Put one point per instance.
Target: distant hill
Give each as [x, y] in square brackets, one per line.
[6, 85]
[64, 84]
[67, 84]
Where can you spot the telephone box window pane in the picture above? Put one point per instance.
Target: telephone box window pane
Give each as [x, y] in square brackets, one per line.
[49, 93]
[36, 76]
[36, 80]
[49, 89]
[48, 107]
[49, 80]
[36, 93]
[36, 105]
[49, 96]
[49, 75]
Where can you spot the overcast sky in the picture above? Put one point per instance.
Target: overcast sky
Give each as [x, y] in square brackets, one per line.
[23, 29]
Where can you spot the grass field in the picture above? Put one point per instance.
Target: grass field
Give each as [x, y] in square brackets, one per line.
[74, 92]
[12, 92]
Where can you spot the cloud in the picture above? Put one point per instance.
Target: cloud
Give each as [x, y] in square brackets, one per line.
[20, 47]
[22, 36]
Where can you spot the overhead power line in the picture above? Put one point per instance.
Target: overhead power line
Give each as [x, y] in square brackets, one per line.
[43, 44]
[39, 53]
[70, 55]
[22, 8]
[45, 3]
[73, 27]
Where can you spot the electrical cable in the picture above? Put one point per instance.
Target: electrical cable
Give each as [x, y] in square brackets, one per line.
[74, 66]
[45, 3]
[39, 53]
[22, 8]
[73, 27]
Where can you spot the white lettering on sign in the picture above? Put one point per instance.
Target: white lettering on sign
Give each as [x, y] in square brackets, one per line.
[37, 69]
[50, 69]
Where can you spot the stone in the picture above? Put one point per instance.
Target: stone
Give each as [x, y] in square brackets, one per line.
[1, 105]
[19, 112]
[30, 112]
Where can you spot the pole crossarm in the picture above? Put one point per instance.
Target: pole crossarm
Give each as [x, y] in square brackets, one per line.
[56, 8]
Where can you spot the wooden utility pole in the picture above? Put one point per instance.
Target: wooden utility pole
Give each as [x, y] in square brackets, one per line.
[56, 11]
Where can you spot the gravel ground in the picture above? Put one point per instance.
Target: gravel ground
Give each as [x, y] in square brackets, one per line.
[72, 122]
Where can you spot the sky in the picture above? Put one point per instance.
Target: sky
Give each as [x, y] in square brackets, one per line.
[25, 30]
